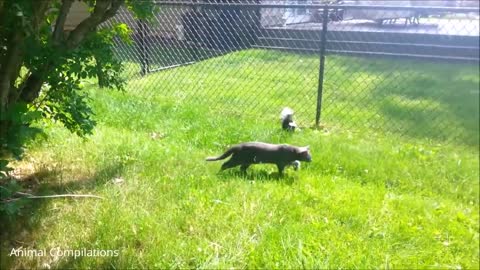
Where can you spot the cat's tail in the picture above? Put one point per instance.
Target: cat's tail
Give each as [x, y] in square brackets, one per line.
[224, 155]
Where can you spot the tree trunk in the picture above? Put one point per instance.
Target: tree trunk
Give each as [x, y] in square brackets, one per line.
[9, 71]
[2, 7]
[32, 88]
[100, 75]
[10, 68]
[11, 63]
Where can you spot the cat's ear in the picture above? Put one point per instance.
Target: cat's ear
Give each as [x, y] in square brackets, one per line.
[304, 149]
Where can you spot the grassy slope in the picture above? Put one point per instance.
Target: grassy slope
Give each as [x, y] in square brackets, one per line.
[368, 199]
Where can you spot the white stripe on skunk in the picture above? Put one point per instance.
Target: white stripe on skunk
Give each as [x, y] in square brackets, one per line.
[286, 117]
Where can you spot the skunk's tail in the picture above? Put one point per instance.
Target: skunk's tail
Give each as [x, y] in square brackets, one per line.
[286, 113]
[228, 153]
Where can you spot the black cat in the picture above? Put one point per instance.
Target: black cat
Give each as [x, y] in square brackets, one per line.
[246, 154]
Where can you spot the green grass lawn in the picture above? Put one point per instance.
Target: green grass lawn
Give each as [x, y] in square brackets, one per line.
[371, 198]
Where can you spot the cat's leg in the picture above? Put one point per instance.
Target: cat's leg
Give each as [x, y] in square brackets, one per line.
[244, 168]
[280, 168]
[230, 164]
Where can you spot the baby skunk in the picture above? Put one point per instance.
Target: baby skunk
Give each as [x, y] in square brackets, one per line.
[286, 117]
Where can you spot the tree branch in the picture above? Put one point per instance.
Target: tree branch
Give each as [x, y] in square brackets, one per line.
[89, 24]
[32, 87]
[60, 23]
[113, 10]
[104, 9]
[40, 9]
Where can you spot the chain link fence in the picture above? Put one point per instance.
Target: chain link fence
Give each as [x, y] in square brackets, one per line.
[409, 67]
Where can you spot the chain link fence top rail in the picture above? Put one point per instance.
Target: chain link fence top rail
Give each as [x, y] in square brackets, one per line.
[409, 67]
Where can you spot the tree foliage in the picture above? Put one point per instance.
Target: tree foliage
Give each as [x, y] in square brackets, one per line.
[42, 66]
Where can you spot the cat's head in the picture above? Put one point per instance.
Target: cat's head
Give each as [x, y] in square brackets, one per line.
[304, 154]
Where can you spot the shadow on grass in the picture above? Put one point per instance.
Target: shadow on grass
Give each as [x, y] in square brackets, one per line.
[258, 175]
[433, 108]
[426, 101]
[18, 231]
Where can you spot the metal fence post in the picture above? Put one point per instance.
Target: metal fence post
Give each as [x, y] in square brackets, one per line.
[323, 44]
[142, 25]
